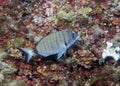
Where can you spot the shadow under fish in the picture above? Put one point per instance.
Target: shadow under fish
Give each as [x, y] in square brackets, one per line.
[52, 46]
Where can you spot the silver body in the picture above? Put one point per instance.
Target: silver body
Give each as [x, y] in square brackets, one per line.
[56, 42]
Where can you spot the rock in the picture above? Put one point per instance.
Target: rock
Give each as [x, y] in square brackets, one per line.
[6, 68]
[16, 83]
[2, 55]
[3, 29]
[1, 77]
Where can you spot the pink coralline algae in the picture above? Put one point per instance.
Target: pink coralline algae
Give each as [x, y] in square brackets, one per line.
[5, 2]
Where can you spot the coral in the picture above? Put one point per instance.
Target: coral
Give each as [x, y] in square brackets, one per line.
[1, 77]
[117, 37]
[70, 15]
[14, 53]
[85, 62]
[24, 22]
[15, 43]
[84, 11]
[97, 30]
[116, 74]
[112, 72]
[62, 15]
[14, 83]
[5, 70]
[5, 2]
[12, 24]
[2, 55]
[3, 29]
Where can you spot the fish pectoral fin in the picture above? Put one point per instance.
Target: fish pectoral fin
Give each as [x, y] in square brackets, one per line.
[60, 54]
[70, 41]
[28, 53]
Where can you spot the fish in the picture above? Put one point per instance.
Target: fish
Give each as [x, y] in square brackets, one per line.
[55, 43]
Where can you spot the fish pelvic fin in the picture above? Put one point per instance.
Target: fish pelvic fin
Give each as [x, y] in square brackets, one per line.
[28, 53]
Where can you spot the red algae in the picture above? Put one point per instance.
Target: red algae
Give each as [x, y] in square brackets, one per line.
[23, 23]
[5, 2]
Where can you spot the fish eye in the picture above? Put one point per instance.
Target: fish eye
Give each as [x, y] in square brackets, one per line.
[65, 44]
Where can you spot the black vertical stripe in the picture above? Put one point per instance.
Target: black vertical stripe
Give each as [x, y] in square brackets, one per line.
[45, 45]
[64, 37]
[53, 43]
[57, 41]
[71, 35]
[48, 44]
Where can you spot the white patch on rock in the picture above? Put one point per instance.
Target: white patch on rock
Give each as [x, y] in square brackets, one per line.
[112, 51]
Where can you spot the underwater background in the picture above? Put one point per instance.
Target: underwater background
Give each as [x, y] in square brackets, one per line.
[89, 61]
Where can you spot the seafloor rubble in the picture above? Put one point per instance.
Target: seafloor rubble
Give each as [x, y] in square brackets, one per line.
[24, 22]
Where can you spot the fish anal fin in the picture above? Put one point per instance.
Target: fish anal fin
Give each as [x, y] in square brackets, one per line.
[60, 54]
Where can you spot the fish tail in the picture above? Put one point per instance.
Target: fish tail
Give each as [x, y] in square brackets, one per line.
[28, 53]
